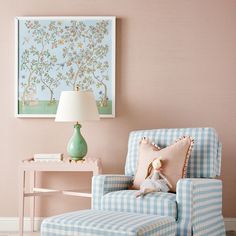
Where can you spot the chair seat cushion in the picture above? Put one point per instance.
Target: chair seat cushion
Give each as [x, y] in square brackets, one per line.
[156, 203]
[107, 223]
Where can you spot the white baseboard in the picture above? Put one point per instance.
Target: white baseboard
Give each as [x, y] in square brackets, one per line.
[9, 224]
[230, 224]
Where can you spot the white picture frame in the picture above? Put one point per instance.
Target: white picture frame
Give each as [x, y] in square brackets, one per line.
[51, 56]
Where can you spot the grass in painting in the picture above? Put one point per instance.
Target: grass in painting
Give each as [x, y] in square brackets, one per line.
[44, 107]
[39, 107]
[107, 110]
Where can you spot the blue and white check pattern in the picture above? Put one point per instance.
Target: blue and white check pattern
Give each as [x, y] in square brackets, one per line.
[103, 184]
[199, 207]
[158, 203]
[205, 160]
[199, 201]
[107, 223]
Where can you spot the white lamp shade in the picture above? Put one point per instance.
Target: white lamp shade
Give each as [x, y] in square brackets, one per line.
[77, 106]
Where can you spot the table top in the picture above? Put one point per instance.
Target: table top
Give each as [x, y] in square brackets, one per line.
[67, 164]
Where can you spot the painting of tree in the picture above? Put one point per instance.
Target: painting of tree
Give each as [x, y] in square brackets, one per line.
[56, 54]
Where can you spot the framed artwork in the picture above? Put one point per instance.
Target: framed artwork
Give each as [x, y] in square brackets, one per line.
[60, 53]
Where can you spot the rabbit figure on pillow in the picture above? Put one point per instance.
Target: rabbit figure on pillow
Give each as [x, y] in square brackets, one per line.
[156, 182]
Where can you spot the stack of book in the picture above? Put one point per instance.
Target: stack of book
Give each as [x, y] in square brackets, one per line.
[40, 157]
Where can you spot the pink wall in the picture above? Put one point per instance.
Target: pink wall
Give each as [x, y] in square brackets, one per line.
[176, 67]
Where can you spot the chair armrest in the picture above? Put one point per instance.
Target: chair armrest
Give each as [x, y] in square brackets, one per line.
[102, 184]
[199, 203]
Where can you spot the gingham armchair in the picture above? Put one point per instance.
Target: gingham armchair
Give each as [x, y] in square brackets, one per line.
[197, 204]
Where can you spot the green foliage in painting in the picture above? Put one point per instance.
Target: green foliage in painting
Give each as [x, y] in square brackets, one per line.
[59, 54]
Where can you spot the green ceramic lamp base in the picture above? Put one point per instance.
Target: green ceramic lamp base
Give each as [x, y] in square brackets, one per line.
[77, 146]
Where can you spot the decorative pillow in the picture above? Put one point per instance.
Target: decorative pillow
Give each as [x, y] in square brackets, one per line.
[174, 159]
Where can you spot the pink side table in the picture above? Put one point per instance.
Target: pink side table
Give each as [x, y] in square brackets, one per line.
[89, 165]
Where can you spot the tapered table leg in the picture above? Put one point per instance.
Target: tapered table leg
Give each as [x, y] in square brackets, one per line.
[21, 201]
[32, 200]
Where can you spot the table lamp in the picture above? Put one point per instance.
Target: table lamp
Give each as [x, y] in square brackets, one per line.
[77, 106]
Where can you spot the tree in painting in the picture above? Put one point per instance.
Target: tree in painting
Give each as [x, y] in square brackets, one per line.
[84, 56]
[38, 61]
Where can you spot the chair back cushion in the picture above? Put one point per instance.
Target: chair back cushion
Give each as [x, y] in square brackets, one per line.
[205, 159]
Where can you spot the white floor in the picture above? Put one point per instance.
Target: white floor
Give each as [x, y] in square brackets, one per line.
[229, 233]
[16, 234]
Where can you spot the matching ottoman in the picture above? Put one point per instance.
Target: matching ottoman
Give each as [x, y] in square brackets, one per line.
[107, 223]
